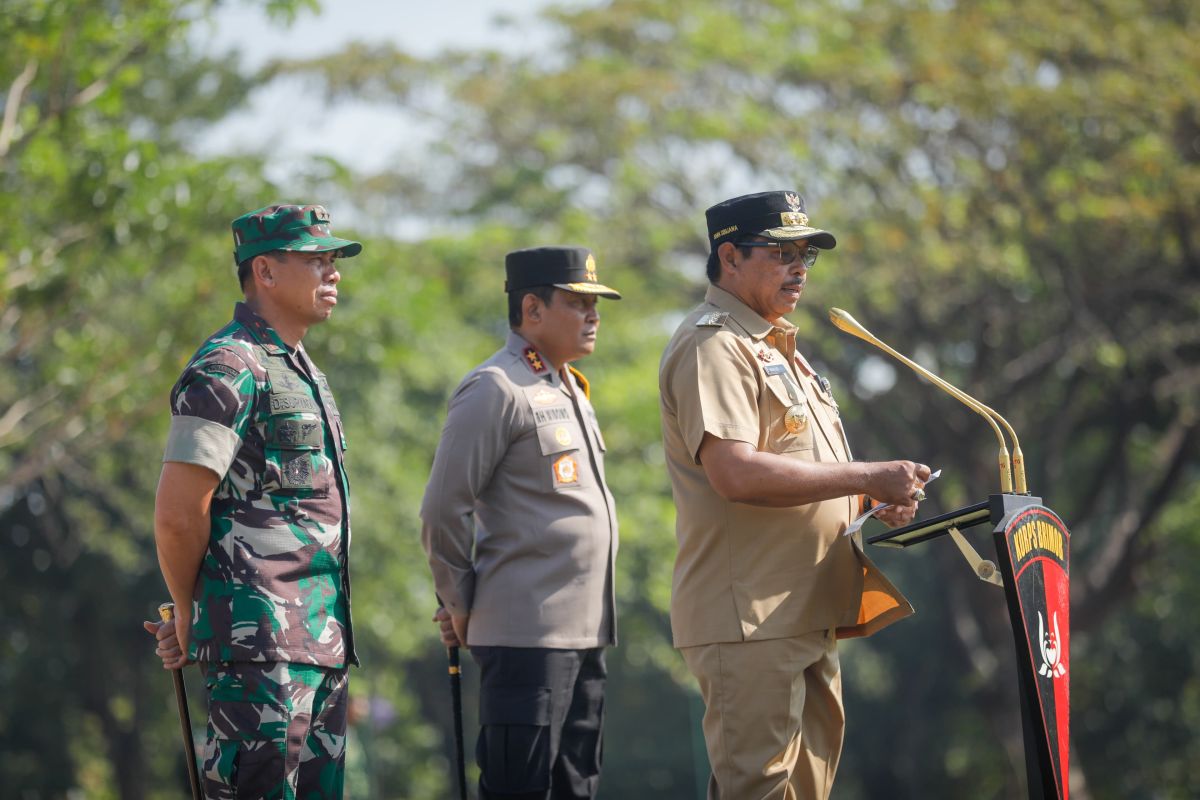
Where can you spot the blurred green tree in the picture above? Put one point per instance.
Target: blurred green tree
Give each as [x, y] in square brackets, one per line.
[1015, 189]
[1015, 208]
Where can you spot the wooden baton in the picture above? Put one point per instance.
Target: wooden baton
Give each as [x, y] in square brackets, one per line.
[167, 612]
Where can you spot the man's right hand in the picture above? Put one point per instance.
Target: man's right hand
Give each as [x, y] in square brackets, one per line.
[172, 641]
[452, 627]
[896, 482]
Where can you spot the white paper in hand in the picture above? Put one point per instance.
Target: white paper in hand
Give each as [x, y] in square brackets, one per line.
[856, 526]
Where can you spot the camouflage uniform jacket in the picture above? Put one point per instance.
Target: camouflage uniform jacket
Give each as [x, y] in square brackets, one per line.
[274, 584]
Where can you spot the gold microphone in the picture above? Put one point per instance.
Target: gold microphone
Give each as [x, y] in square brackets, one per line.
[852, 326]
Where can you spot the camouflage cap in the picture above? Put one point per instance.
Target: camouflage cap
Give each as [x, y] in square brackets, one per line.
[286, 227]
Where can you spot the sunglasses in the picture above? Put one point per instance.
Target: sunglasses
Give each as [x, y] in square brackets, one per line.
[788, 253]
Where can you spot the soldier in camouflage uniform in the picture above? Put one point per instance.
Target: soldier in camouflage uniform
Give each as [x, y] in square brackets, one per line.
[252, 522]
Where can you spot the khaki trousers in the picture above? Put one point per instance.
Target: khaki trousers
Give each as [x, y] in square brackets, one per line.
[773, 718]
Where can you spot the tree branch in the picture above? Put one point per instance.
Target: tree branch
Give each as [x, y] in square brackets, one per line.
[22, 408]
[1110, 576]
[13, 104]
[81, 98]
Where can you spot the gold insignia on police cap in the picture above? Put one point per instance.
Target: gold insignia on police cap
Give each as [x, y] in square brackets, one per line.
[562, 436]
[713, 319]
[590, 268]
[792, 200]
[793, 218]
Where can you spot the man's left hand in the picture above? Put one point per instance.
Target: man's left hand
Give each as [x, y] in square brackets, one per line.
[897, 516]
[453, 629]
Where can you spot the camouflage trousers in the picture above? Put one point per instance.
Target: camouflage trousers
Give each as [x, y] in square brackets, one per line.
[276, 731]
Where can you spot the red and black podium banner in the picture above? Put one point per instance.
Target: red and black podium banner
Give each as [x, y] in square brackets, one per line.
[1033, 553]
[1034, 548]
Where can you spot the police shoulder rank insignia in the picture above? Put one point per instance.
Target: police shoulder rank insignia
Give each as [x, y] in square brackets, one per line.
[566, 470]
[534, 359]
[713, 319]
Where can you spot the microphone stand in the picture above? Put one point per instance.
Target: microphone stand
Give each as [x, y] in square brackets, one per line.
[1032, 565]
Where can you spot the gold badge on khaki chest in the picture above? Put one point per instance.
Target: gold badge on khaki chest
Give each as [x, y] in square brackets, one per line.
[795, 419]
[796, 416]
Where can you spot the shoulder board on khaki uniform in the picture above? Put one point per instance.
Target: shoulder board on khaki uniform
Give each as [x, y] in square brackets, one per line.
[713, 319]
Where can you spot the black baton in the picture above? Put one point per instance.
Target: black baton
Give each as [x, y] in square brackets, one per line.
[456, 701]
[167, 612]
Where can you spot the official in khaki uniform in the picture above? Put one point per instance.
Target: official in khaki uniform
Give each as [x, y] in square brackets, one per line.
[521, 534]
[765, 582]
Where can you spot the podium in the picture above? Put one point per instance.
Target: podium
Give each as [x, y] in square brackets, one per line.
[1033, 566]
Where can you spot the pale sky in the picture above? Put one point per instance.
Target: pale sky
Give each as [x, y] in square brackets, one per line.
[359, 134]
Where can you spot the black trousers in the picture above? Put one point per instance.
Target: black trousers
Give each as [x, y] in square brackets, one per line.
[541, 714]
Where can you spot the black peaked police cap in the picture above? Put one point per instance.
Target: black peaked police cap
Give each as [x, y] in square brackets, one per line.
[570, 268]
[776, 215]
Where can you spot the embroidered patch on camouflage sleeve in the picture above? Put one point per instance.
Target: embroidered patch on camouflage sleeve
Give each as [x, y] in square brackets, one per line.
[221, 369]
[297, 472]
[298, 433]
[283, 380]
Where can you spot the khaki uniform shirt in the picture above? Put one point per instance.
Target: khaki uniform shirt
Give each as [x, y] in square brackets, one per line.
[519, 480]
[747, 572]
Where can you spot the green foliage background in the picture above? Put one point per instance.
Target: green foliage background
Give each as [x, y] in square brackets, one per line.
[1015, 190]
